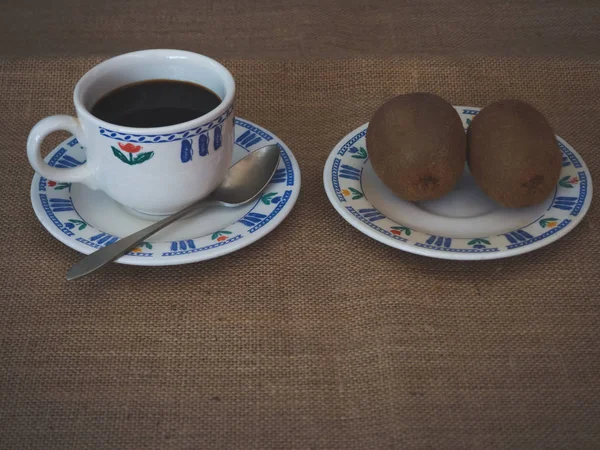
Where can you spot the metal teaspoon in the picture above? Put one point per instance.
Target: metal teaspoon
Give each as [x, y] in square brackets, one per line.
[244, 181]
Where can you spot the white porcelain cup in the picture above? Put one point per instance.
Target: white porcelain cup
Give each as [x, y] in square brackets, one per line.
[152, 170]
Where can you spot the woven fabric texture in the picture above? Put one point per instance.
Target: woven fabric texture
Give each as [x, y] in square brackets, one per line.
[315, 337]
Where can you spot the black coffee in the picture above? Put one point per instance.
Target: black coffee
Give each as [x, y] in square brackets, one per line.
[155, 103]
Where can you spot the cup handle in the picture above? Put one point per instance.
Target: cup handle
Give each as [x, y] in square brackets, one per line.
[79, 174]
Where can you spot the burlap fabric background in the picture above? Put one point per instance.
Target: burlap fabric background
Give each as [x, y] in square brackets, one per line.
[316, 337]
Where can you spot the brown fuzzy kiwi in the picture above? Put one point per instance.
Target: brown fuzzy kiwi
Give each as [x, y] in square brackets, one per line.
[512, 154]
[417, 146]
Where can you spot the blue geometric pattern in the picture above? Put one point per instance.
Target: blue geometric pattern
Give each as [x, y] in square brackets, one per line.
[168, 137]
[57, 156]
[439, 241]
[371, 214]
[201, 249]
[67, 162]
[583, 189]
[372, 225]
[523, 243]
[569, 155]
[252, 218]
[187, 147]
[349, 172]
[258, 220]
[89, 243]
[140, 254]
[182, 245]
[279, 176]
[288, 165]
[53, 218]
[457, 250]
[351, 142]
[104, 239]
[246, 220]
[187, 152]
[335, 179]
[203, 144]
[218, 139]
[248, 139]
[267, 137]
[518, 236]
[61, 205]
[564, 203]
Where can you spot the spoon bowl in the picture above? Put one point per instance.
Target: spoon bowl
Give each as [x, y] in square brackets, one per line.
[248, 177]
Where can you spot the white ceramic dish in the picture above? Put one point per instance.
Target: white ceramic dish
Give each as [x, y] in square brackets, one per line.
[85, 219]
[463, 225]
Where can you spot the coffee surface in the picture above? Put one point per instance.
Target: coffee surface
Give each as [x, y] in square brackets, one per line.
[155, 103]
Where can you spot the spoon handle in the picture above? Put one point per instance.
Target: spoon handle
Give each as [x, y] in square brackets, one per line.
[107, 254]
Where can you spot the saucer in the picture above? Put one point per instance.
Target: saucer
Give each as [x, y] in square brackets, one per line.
[463, 225]
[86, 220]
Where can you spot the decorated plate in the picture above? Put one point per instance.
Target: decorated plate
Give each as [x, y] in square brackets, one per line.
[465, 224]
[86, 220]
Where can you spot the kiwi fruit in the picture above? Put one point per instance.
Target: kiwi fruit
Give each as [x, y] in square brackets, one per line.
[512, 153]
[417, 146]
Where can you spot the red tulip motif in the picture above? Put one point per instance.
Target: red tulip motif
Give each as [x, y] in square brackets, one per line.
[129, 147]
[129, 150]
